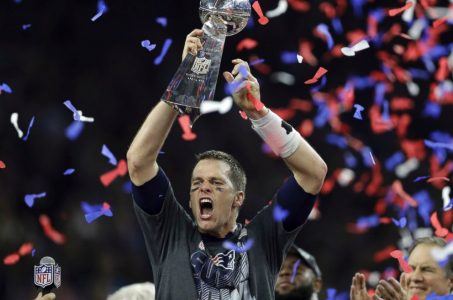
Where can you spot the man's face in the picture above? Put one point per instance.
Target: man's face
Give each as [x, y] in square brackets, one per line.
[213, 198]
[428, 277]
[303, 283]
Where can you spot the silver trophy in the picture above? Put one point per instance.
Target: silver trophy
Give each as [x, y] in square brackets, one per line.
[196, 78]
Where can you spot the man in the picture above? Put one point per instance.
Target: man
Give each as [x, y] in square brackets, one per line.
[136, 291]
[299, 277]
[427, 277]
[210, 256]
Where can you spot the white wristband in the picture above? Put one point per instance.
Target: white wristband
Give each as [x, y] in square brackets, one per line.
[281, 137]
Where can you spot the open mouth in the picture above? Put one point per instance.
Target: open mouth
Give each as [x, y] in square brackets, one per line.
[206, 208]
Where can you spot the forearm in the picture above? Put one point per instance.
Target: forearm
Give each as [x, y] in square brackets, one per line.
[145, 147]
[308, 167]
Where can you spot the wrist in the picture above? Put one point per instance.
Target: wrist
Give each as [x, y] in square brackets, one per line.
[257, 114]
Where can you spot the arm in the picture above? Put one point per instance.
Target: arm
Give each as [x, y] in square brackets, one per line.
[145, 147]
[306, 165]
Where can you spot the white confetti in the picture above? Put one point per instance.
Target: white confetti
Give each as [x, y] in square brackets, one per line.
[281, 8]
[446, 197]
[405, 168]
[351, 51]
[441, 254]
[299, 58]
[283, 77]
[14, 119]
[221, 107]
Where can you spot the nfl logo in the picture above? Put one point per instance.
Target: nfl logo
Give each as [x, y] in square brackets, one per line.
[44, 275]
[57, 276]
[201, 66]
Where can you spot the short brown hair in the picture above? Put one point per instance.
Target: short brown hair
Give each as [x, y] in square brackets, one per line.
[236, 174]
[434, 241]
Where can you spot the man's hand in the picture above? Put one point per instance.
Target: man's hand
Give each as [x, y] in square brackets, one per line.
[193, 43]
[358, 288]
[50, 296]
[392, 289]
[246, 89]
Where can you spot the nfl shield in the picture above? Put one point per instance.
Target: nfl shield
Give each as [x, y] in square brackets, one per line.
[201, 66]
[57, 276]
[44, 275]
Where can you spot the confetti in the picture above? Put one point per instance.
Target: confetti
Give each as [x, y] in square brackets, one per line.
[109, 177]
[94, 212]
[323, 31]
[107, 153]
[221, 107]
[32, 121]
[68, 172]
[398, 254]
[321, 71]
[442, 254]
[77, 114]
[158, 60]
[284, 78]
[232, 246]
[372, 158]
[263, 20]
[74, 130]
[280, 213]
[440, 231]
[2, 165]
[13, 258]
[401, 223]
[396, 11]
[397, 187]
[30, 198]
[243, 115]
[102, 8]
[431, 144]
[14, 120]
[50, 232]
[351, 51]
[184, 122]
[162, 21]
[5, 88]
[26, 26]
[147, 45]
[281, 8]
[299, 58]
[246, 44]
[448, 203]
[358, 111]
[295, 268]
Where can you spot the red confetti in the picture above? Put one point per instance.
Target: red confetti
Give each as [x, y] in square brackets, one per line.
[263, 20]
[25, 249]
[442, 71]
[440, 231]
[243, 115]
[321, 71]
[2, 165]
[184, 122]
[383, 254]
[109, 177]
[396, 11]
[437, 178]
[305, 50]
[50, 232]
[439, 22]
[246, 44]
[398, 254]
[299, 5]
[302, 105]
[11, 259]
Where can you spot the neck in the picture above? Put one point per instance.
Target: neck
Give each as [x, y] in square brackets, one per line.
[224, 231]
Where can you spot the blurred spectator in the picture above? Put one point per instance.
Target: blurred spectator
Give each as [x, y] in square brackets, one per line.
[136, 291]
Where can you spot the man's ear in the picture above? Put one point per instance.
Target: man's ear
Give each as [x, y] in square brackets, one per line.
[238, 199]
[317, 285]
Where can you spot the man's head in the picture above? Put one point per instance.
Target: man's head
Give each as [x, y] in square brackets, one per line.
[299, 277]
[136, 291]
[217, 191]
[428, 276]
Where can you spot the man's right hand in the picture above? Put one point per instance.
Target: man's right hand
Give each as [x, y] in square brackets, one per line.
[50, 296]
[358, 288]
[193, 43]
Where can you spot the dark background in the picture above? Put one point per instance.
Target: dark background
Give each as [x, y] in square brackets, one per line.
[101, 67]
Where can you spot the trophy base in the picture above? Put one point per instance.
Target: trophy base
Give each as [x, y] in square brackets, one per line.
[193, 112]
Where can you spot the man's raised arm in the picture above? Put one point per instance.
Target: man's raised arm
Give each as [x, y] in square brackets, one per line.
[307, 166]
[145, 147]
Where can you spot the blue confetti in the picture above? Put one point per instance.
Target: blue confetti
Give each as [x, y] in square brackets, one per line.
[394, 160]
[107, 153]
[74, 130]
[425, 205]
[357, 6]
[401, 223]
[323, 115]
[430, 144]
[385, 111]
[147, 45]
[76, 114]
[5, 88]
[350, 160]
[358, 111]
[421, 178]
[337, 26]
[324, 29]
[232, 246]
[367, 222]
[158, 60]
[280, 213]
[361, 83]
[418, 73]
[379, 93]
[68, 172]
[337, 140]
[331, 294]
[320, 86]
[432, 110]
[93, 212]
[32, 121]
[295, 267]
[26, 26]
[30, 198]
[162, 21]
[102, 8]
[33, 252]
[257, 61]
[289, 57]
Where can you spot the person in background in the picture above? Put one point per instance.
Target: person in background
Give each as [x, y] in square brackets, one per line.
[427, 277]
[300, 277]
[136, 291]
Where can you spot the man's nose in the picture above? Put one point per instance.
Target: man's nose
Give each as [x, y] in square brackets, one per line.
[206, 187]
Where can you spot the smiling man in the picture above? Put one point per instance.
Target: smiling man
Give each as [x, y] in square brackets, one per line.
[212, 256]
